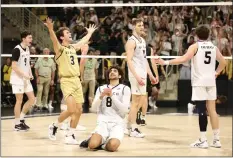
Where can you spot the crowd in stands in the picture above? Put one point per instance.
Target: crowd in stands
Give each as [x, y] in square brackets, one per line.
[170, 30]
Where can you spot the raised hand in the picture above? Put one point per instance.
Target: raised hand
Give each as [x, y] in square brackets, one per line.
[91, 28]
[49, 23]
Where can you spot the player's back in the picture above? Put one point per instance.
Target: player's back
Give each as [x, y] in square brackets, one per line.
[107, 110]
[67, 60]
[203, 65]
[23, 63]
[139, 57]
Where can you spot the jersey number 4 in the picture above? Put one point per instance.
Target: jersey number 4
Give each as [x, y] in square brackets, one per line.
[208, 57]
[108, 102]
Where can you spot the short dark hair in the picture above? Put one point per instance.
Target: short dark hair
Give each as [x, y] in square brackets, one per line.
[60, 32]
[202, 32]
[120, 72]
[136, 20]
[24, 34]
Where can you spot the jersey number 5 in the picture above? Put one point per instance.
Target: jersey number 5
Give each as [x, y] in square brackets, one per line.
[208, 57]
[109, 102]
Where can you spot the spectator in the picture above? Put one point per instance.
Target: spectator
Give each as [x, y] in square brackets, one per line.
[45, 72]
[33, 61]
[89, 78]
[93, 16]
[6, 71]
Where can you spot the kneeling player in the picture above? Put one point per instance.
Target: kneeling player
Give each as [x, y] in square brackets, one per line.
[112, 103]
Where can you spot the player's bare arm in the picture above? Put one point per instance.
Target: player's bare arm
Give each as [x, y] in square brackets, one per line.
[56, 44]
[221, 60]
[84, 50]
[19, 72]
[86, 38]
[186, 57]
[154, 66]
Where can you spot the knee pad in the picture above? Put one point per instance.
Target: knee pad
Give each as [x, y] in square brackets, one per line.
[201, 106]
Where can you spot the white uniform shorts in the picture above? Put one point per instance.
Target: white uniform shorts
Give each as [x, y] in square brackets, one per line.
[204, 93]
[20, 89]
[109, 130]
[136, 88]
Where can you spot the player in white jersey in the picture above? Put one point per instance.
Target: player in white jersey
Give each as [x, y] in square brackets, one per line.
[112, 103]
[20, 80]
[138, 70]
[203, 75]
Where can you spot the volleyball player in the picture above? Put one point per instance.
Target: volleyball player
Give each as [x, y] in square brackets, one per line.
[203, 55]
[138, 70]
[112, 103]
[21, 75]
[141, 115]
[69, 73]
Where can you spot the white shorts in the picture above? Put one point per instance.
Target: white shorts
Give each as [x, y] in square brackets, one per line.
[204, 93]
[20, 89]
[136, 88]
[110, 130]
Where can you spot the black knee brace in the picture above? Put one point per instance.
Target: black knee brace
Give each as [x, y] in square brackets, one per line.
[203, 121]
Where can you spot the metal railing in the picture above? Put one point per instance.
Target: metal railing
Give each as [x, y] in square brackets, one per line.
[24, 19]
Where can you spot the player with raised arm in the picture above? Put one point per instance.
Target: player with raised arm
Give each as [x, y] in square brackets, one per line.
[69, 73]
[203, 55]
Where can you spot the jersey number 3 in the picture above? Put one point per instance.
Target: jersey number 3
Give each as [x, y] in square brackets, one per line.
[108, 102]
[208, 57]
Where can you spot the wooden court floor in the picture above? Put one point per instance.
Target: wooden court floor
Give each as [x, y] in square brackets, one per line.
[166, 135]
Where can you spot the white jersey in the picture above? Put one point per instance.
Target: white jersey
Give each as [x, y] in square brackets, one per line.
[139, 57]
[107, 110]
[203, 65]
[23, 63]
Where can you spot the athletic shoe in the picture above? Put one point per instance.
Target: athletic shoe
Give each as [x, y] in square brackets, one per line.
[65, 126]
[190, 108]
[136, 133]
[70, 140]
[138, 119]
[24, 124]
[20, 127]
[216, 143]
[84, 144]
[52, 132]
[200, 144]
[143, 122]
[80, 128]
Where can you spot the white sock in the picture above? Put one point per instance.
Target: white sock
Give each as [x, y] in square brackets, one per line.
[216, 133]
[21, 116]
[71, 131]
[203, 136]
[134, 126]
[17, 121]
[143, 117]
[56, 123]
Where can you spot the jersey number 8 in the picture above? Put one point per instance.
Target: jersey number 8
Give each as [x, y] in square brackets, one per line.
[109, 102]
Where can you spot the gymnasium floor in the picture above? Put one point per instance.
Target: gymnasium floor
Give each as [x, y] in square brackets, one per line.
[166, 135]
